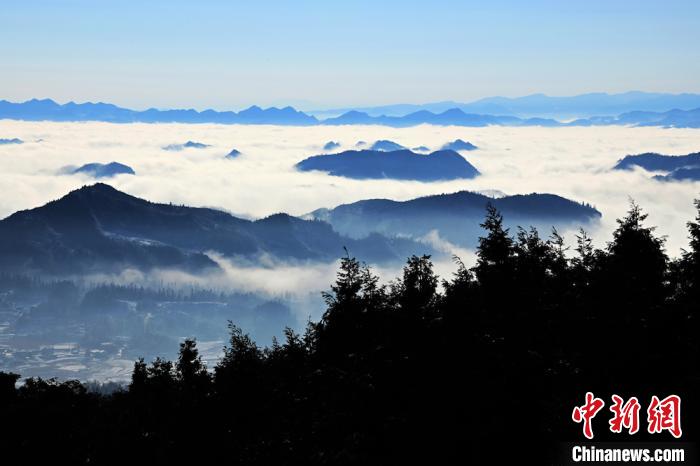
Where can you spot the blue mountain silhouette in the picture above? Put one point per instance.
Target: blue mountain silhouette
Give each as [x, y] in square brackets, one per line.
[398, 164]
[677, 167]
[187, 145]
[456, 217]
[540, 105]
[47, 109]
[104, 170]
[233, 154]
[98, 228]
[459, 144]
[657, 162]
[639, 109]
[386, 146]
[11, 141]
[681, 174]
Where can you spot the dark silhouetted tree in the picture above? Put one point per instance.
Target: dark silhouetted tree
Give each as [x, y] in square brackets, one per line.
[191, 372]
[495, 255]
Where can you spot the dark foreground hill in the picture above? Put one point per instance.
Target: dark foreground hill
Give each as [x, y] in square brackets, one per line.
[98, 228]
[455, 216]
[397, 164]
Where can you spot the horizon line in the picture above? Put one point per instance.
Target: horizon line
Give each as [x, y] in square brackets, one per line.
[341, 107]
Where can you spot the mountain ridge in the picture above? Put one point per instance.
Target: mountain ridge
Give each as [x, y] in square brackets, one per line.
[456, 216]
[577, 106]
[97, 228]
[670, 110]
[47, 109]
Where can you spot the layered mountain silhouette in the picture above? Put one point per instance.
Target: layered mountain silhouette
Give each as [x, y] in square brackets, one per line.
[104, 170]
[677, 167]
[397, 164]
[98, 228]
[456, 216]
[453, 116]
[47, 109]
[331, 145]
[459, 144]
[639, 109]
[579, 106]
[458, 117]
[671, 119]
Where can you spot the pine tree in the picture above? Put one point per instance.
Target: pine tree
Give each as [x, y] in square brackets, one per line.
[191, 372]
[495, 251]
[636, 263]
[139, 377]
[418, 286]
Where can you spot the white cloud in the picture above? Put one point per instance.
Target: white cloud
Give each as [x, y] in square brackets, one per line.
[573, 162]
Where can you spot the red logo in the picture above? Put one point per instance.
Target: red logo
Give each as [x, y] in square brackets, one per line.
[661, 415]
[587, 412]
[665, 415]
[625, 415]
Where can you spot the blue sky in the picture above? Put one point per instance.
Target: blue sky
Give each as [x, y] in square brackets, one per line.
[316, 54]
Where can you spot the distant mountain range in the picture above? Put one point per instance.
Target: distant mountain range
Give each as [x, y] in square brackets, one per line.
[677, 167]
[396, 164]
[457, 117]
[453, 116]
[47, 109]
[633, 108]
[100, 229]
[455, 216]
[672, 118]
[579, 106]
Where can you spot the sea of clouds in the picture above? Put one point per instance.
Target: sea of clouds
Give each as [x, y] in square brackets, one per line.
[572, 162]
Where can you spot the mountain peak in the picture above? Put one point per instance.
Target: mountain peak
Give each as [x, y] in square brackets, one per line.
[94, 192]
[90, 189]
[97, 188]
